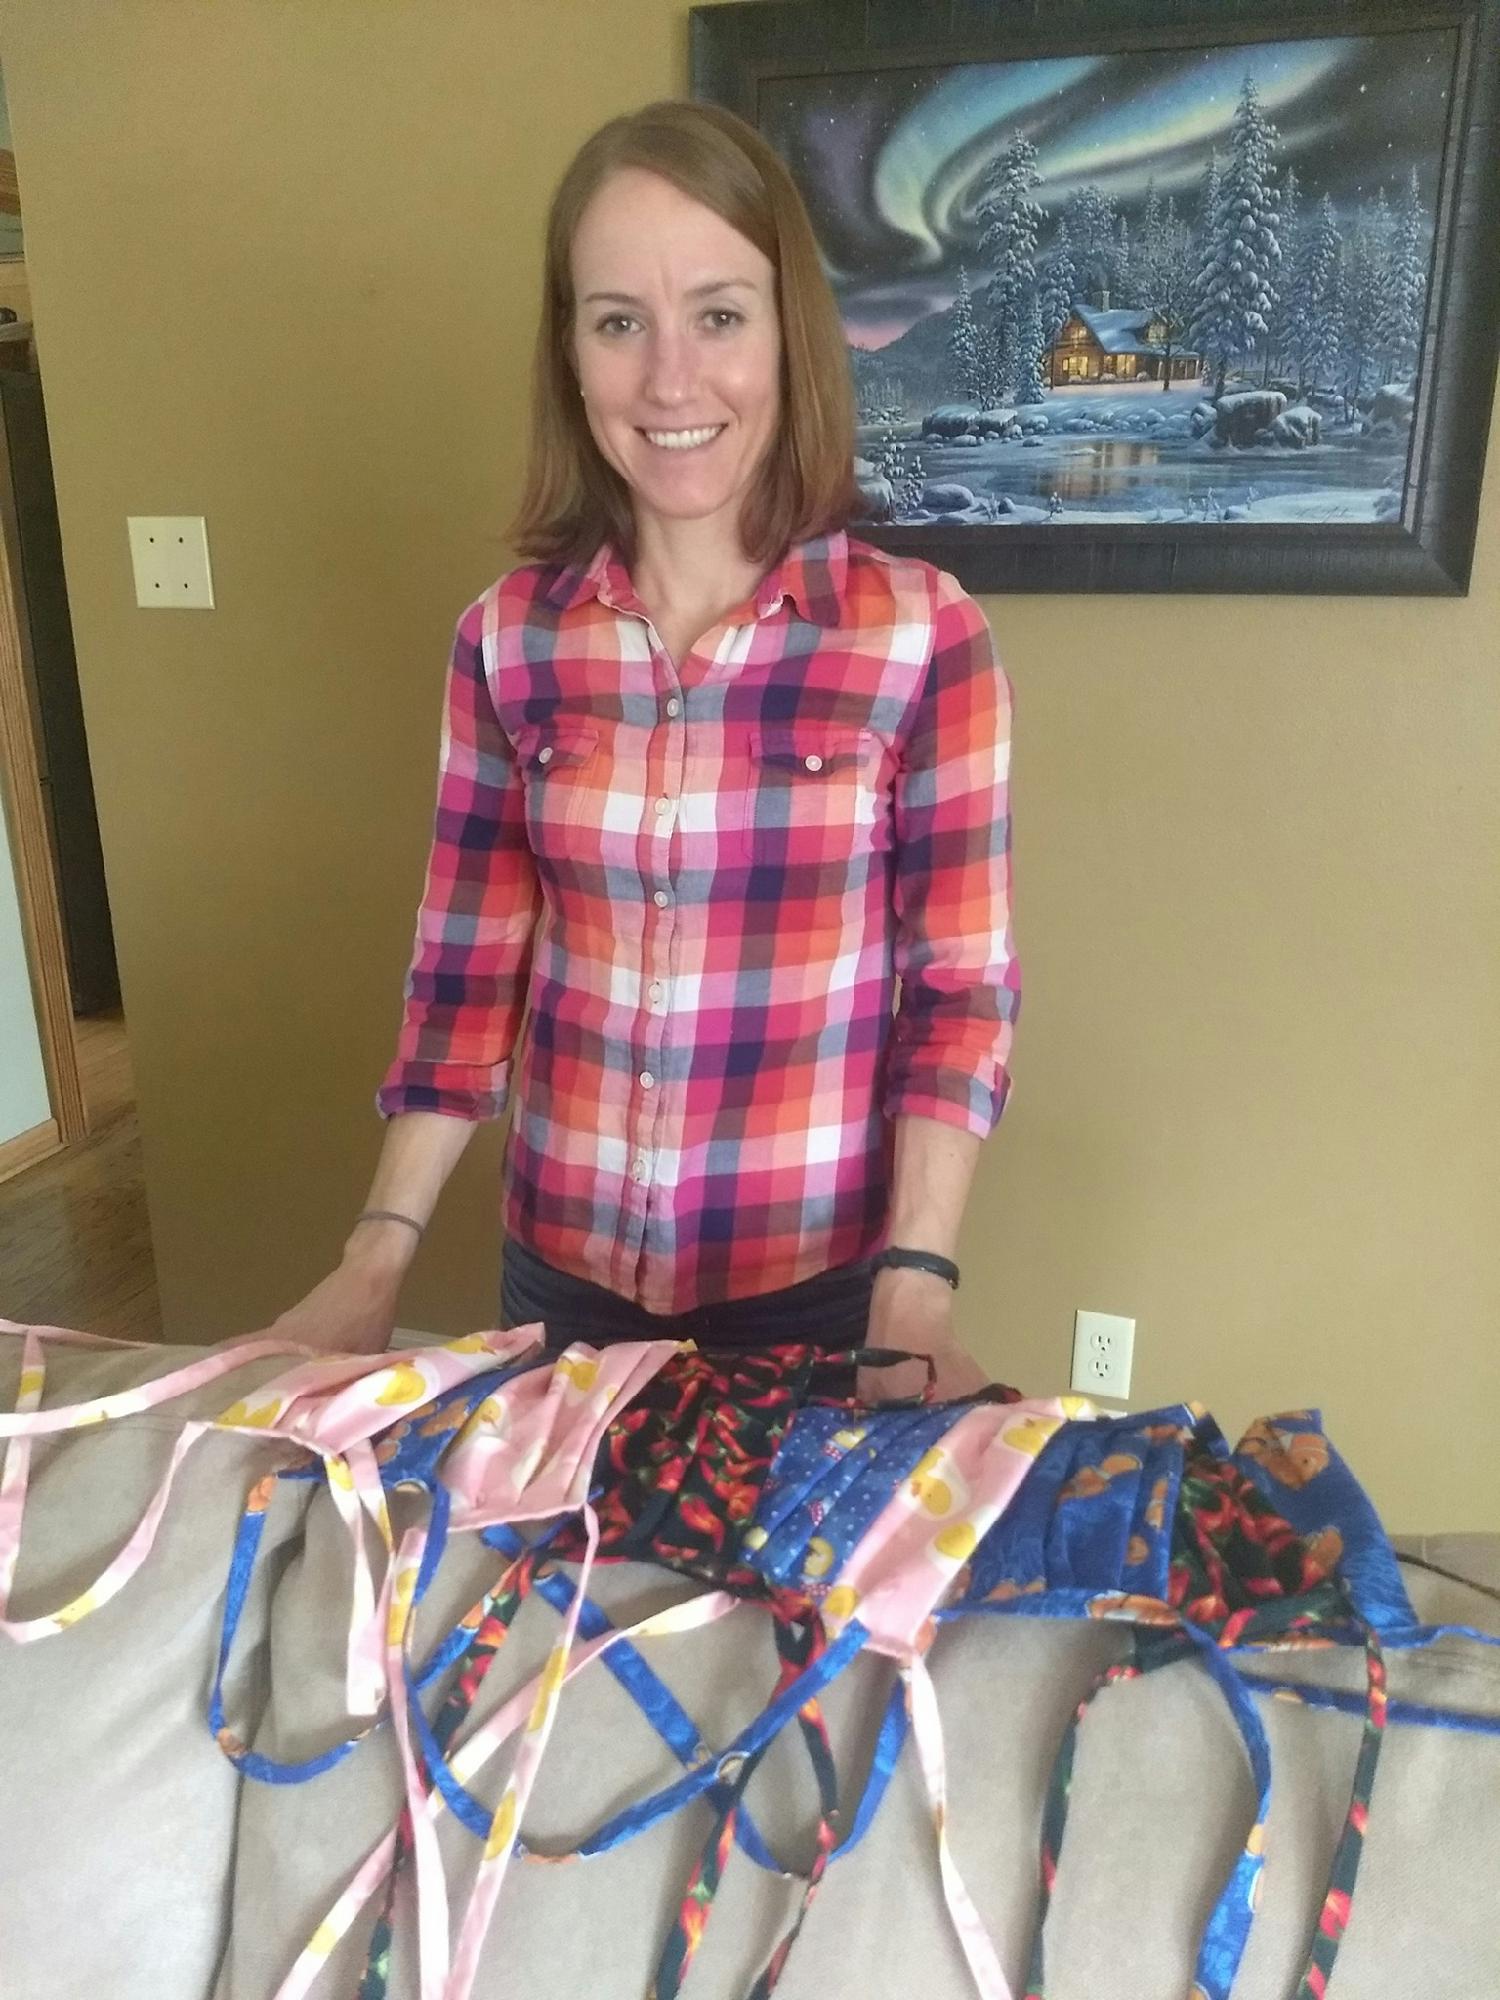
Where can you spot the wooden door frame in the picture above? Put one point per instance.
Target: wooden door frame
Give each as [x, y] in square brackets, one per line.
[36, 874]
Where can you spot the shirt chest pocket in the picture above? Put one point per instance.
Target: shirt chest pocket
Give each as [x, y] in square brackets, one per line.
[556, 761]
[809, 797]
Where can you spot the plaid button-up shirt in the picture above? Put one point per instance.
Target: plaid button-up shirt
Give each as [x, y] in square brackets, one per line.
[706, 877]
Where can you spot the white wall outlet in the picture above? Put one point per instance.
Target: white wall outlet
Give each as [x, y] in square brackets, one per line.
[169, 553]
[1103, 1344]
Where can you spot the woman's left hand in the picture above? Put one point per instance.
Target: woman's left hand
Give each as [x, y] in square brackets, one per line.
[913, 1311]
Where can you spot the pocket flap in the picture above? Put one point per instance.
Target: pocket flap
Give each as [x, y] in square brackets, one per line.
[546, 746]
[815, 748]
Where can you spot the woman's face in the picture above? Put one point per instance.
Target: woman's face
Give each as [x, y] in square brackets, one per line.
[677, 342]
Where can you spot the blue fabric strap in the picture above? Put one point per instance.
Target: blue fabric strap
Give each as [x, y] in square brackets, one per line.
[680, 1733]
[706, 1781]
[1347, 1702]
[253, 1763]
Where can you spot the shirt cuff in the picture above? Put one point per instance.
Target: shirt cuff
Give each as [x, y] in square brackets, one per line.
[950, 1097]
[456, 1092]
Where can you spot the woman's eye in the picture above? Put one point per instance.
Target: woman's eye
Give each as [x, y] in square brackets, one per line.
[613, 320]
[728, 313]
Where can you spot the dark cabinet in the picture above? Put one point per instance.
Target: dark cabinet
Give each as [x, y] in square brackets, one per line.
[28, 519]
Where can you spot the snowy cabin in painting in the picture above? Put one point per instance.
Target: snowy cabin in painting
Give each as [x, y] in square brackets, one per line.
[1098, 344]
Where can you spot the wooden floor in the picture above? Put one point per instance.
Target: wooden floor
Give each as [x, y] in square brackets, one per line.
[75, 1241]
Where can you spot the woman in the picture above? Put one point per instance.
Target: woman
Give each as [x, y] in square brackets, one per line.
[714, 775]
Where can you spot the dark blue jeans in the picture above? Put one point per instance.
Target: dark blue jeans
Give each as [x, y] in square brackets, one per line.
[830, 1310]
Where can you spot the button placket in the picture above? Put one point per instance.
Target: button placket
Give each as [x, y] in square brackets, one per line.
[665, 772]
[661, 791]
[651, 1107]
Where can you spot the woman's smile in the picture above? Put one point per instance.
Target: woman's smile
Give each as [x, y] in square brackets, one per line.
[694, 440]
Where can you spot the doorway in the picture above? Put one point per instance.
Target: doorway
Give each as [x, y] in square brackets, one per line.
[74, 1237]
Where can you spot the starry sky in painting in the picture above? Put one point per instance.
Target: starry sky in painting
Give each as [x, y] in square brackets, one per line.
[890, 162]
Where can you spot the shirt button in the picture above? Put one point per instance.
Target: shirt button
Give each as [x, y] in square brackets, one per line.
[813, 763]
[647, 1079]
[663, 805]
[638, 1170]
[674, 706]
[544, 755]
[655, 991]
[661, 899]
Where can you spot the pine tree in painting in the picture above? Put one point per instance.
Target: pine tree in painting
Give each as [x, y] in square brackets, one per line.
[1005, 361]
[1011, 223]
[1313, 331]
[1059, 286]
[1236, 283]
[1277, 344]
[913, 488]
[1121, 288]
[1150, 246]
[1208, 208]
[1090, 216]
[885, 417]
[1148, 242]
[1404, 294]
[890, 460]
[1165, 287]
[1032, 385]
[964, 346]
[1362, 300]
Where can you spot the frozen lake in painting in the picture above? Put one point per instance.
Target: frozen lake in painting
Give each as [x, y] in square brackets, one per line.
[1120, 470]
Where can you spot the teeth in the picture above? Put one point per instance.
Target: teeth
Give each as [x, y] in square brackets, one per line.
[683, 440]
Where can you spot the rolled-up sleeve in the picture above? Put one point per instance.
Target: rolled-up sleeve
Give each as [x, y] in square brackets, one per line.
[954, 952]
[465, 990]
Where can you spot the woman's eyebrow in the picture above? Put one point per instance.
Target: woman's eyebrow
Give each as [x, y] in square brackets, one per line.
[697, 292]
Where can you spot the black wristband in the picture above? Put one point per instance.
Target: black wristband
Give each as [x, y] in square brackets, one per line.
[895, 1258]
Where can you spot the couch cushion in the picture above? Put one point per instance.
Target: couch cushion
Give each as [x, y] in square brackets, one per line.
[117, 1809]
[1161, 1804]
[134, 1862]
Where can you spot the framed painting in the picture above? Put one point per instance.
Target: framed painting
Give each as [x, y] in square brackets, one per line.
[1194, 295]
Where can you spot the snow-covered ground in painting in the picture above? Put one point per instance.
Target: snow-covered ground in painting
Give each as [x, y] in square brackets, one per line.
[1137, 462]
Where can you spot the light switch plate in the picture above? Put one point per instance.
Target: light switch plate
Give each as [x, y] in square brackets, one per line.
[169, 553]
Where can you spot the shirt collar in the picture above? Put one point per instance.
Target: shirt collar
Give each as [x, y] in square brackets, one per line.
[813, 573]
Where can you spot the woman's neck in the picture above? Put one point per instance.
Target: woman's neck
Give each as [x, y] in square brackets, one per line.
[691, 567]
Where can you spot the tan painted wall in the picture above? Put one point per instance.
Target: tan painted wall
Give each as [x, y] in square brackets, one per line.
[283, 267]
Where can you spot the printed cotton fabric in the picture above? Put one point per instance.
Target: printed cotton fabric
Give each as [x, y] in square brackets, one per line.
[858, 1529]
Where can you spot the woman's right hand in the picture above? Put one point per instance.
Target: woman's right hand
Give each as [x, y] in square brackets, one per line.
[353, 1309]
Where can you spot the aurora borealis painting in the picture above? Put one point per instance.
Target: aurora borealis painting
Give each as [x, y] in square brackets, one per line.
[890, 164]
[1177, 285]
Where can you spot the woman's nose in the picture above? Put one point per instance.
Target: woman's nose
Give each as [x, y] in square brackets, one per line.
[670, 367]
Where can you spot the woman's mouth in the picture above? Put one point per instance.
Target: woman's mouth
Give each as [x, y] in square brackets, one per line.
[693, 440]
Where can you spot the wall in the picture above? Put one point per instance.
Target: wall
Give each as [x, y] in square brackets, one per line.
[283, 264]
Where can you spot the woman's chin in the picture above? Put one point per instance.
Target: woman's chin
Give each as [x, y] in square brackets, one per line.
[673, 502]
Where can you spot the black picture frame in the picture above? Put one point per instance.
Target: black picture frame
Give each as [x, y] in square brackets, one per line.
[738, 50]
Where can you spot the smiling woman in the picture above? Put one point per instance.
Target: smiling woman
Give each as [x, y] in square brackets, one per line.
[680, 382]
[683, 290]
[714, 778]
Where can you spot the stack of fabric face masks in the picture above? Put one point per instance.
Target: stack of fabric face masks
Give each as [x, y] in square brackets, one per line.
[852, 1529]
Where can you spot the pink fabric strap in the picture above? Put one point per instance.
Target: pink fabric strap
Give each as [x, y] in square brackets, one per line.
[927, 1730]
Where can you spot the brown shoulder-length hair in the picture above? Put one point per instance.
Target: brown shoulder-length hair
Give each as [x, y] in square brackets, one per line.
[573, 498]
